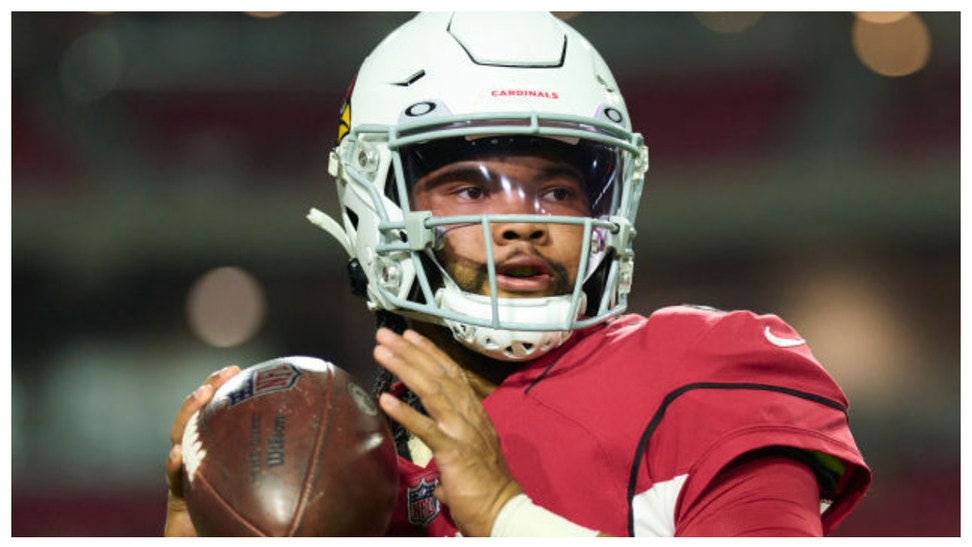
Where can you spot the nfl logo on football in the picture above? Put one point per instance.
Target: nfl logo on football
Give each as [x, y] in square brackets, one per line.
[269, 380]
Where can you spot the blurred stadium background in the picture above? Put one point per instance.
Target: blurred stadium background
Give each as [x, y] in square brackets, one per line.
[804, 164]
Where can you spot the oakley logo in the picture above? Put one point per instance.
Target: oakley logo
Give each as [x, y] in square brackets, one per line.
[420, 109]
[613, 114]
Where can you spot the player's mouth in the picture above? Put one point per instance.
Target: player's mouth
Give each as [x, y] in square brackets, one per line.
[524, 274]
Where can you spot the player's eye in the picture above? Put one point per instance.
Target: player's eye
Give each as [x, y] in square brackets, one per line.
[471, 193]
[563, 198]
[557, 194]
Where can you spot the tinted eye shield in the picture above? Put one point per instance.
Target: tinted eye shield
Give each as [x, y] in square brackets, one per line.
[594, 165]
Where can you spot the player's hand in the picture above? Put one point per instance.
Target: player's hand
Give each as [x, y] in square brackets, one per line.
[177, 521]
[476, 481]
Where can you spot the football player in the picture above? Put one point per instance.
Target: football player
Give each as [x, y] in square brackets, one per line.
[489, 181]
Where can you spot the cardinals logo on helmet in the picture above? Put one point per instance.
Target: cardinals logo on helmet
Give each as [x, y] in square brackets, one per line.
[344, 120]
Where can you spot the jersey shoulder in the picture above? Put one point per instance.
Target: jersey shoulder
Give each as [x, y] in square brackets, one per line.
[690, 343]
[690, 321]
[686, 323]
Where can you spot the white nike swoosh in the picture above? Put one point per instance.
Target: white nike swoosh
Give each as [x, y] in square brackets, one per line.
[782, 342]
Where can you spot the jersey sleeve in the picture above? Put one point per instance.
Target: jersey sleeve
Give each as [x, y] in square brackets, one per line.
[749, 382]
[762, 493]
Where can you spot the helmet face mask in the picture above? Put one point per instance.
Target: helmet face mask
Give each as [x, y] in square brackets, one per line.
[511, 226]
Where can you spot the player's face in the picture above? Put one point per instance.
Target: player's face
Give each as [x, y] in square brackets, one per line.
[533, 259]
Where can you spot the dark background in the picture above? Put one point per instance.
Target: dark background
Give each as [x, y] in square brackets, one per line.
[147, 149]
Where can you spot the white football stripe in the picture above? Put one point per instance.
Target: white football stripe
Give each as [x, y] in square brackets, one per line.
[192, 448]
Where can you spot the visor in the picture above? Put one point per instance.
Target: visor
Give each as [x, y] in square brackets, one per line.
[512, 175]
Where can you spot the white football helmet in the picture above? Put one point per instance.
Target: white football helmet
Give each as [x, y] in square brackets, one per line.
[449, 87]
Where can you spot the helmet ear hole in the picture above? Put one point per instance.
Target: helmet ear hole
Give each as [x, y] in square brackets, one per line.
[432, 274]
[352, 216]
[391, 189]
[357, 278]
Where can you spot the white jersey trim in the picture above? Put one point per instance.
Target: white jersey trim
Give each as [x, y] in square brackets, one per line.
[654, 509]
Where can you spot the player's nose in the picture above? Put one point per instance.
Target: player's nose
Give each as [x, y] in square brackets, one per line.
[534, 232]
[520, 203]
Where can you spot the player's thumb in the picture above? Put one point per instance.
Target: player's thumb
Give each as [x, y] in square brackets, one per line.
[173, 473]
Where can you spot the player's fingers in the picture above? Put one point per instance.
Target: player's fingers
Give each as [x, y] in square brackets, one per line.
[419, 424]
[417, 348]
[197, 399]
[441, 358]
[424, 357]
[416, 368]
[173, 471]
[193, 402]
[451, 415]
[462, 392]
[428, 387]
[435, 379]
[177, 519]
[220, 377]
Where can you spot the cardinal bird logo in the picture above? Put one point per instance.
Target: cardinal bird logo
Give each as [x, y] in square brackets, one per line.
[344, 120]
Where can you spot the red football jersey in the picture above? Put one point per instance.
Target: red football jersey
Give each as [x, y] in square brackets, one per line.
[622, 428]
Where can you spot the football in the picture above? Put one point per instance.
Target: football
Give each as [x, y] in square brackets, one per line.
[290, 447]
